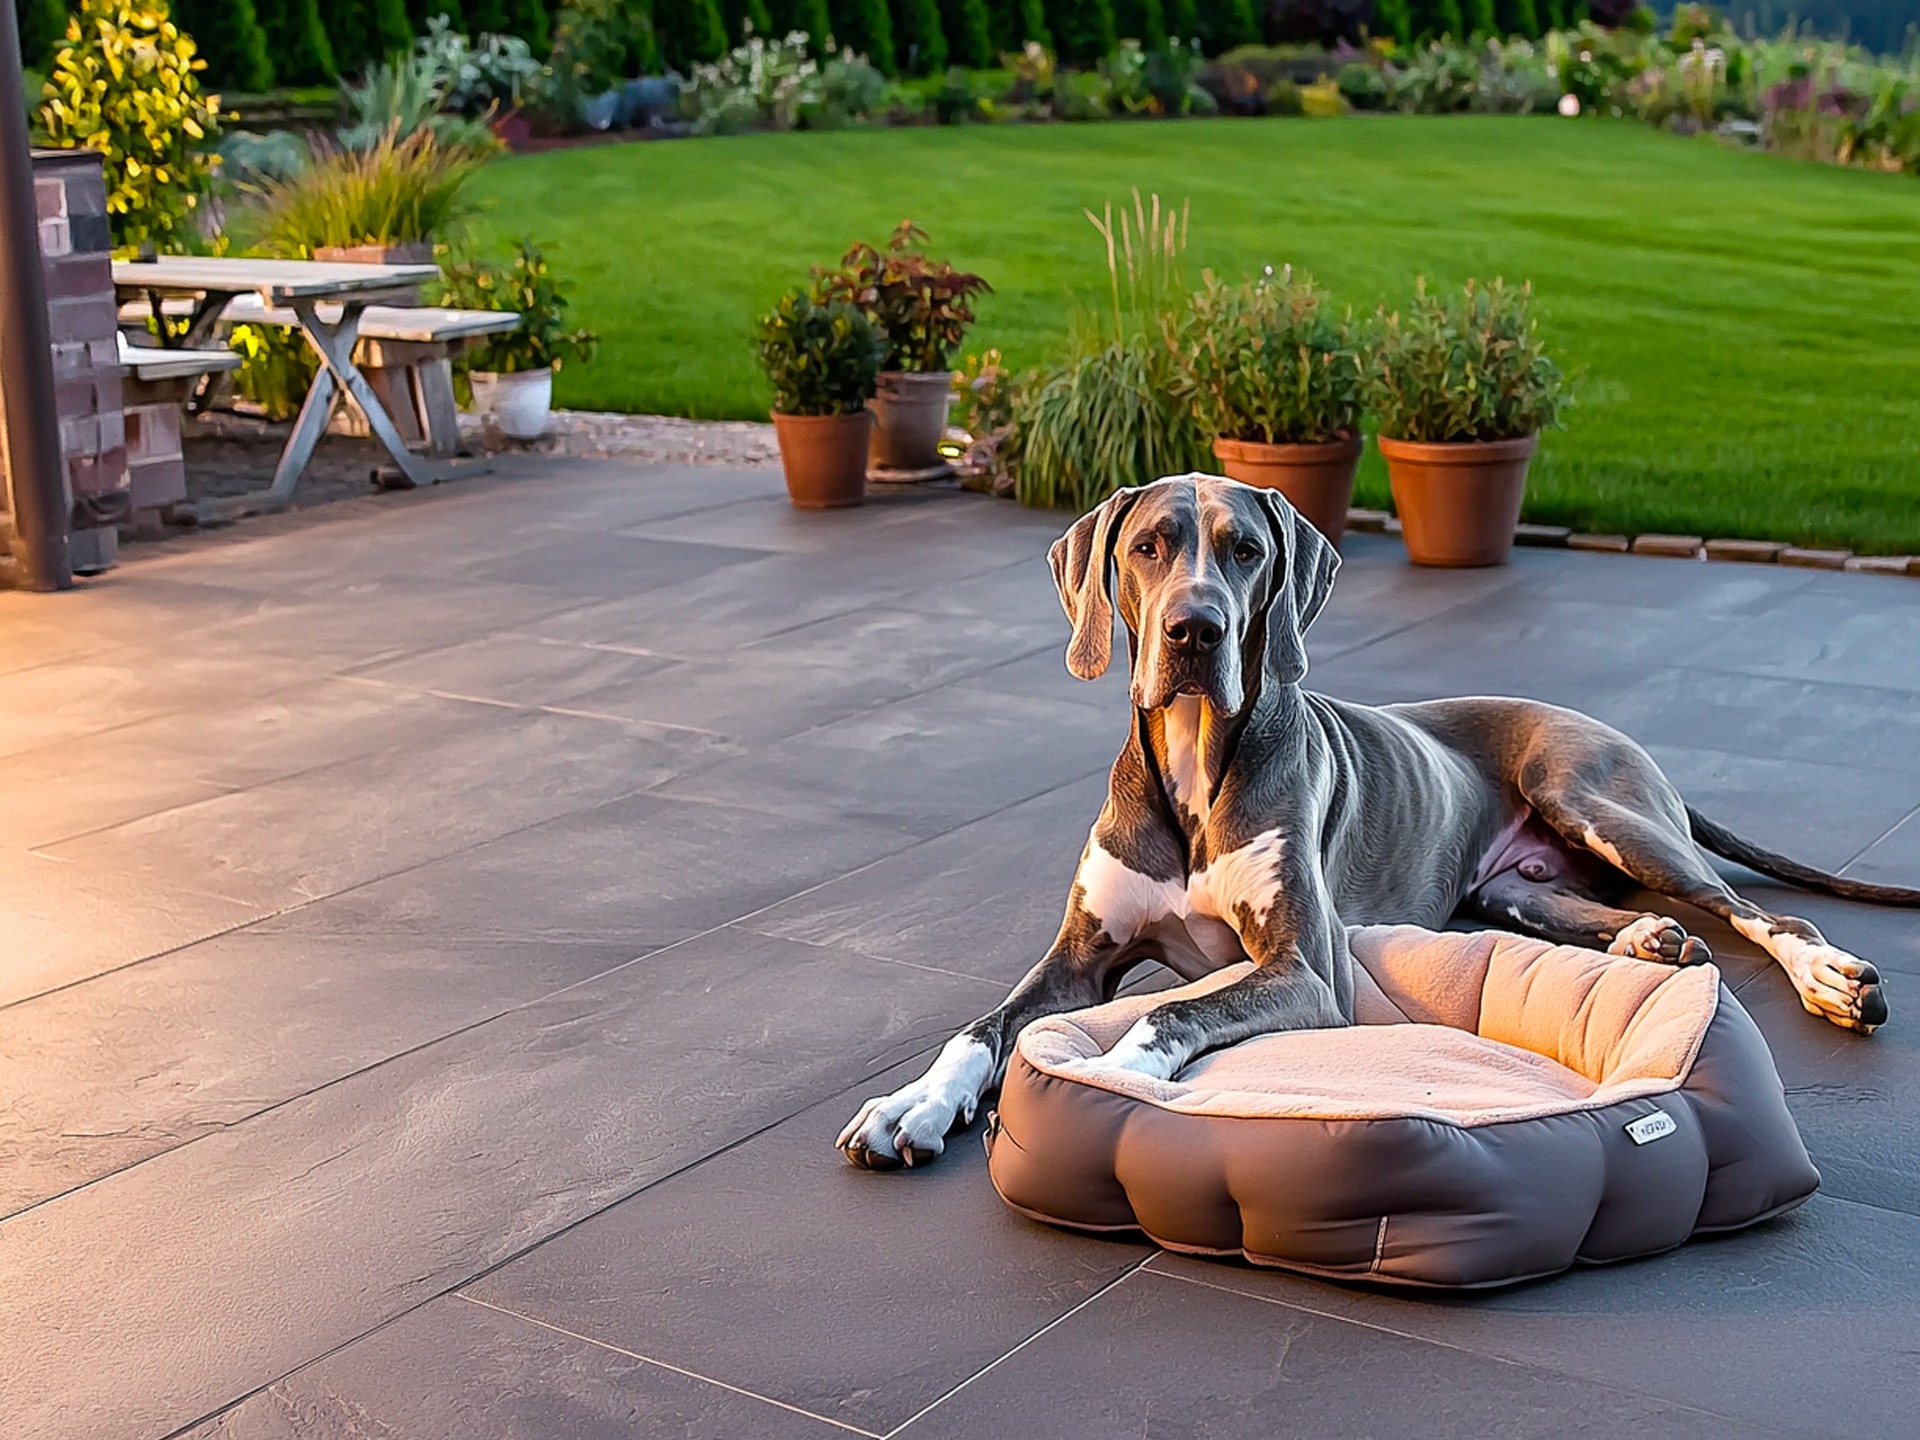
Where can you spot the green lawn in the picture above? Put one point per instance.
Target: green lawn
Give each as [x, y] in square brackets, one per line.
[1745, 329]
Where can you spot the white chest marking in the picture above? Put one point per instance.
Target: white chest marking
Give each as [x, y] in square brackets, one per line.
[1240, 885]
[1185, 733]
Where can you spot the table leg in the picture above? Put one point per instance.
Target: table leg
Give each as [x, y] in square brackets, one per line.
[311, 424]
[335, 345]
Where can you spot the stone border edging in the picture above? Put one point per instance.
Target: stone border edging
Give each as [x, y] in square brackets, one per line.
[1677, 547]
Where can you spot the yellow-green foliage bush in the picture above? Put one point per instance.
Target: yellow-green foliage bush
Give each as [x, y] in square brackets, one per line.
[127, 83]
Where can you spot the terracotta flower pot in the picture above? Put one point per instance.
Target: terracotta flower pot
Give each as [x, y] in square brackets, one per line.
[910, 415]
[825, 457]
[1458, 502]
[1317, 479]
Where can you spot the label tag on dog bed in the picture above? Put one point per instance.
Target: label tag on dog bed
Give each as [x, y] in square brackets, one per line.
[1651, 1127]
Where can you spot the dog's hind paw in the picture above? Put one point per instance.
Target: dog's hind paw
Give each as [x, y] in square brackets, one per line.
[1655, 937]
[1839, 987]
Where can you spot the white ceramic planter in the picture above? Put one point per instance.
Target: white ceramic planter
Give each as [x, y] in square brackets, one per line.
[520, 403]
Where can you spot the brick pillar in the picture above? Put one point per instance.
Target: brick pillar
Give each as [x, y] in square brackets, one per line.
[83, 320]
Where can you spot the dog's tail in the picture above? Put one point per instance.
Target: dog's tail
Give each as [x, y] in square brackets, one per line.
[1729, 846]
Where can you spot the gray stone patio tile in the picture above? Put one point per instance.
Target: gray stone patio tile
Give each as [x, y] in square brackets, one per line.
[644, 871]
[61, 922]
[103, 1075]
[596, 566]
[292, 840]
[1163, 1359]
[611, 494]
[1851, 635]
[1894, 858]
[767, 521]
[1514, 642]
[159, 1294]
[925, 764]
[55, 704]
[67, 788]
[808, 675]
[1773, 718]
[1822, 814]
[518, 670]
[1852, 1095]
[1799, 1324]
[1654, 583]
[780, 1268]
[985, 899]
[454, 1370]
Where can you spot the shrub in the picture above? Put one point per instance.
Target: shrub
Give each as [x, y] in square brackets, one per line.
[297, 40]
[765, 84]
[1394, 21]
[127, 83]
[1321, 22]
[394, 192]
[1083, 30]
[42, 23]
[493, 74]
[1362, 85]
[1265, 361]
[822, 356]
[850, 89]
[1469, 366]
[866, 27]
[231, 42]
[919, 306]
[525, 284]
[969, 33]
[689, 33]
[530, 21]
[1109, 416]
[277, 367]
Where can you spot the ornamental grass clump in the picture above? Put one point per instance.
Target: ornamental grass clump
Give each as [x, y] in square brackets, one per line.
[1265, 361]
[127, 83]
[823, 356]
[1110, 417]
[922, 307]
[398, 190]
[1464, 366]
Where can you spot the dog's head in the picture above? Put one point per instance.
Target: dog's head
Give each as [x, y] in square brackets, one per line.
[1213, 578]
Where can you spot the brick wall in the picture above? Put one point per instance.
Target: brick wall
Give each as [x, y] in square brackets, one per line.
[83, 322]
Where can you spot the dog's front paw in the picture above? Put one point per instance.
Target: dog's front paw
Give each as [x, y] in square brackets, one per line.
[1655, 937]
[1839, 987]
[910, 1126]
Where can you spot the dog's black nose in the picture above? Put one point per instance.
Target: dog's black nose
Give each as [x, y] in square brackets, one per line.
[1196, 629]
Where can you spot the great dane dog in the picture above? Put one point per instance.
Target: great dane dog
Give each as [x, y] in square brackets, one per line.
[1250, 819]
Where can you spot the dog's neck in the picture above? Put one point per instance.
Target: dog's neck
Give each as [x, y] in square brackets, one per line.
[1191, 746]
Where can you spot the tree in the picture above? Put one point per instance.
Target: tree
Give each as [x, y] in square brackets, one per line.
[690, 32]
[1226, 25]
[643, 46]
[1480, 17]
[1183, 19]
[969, 33]
[1520, 17]
[865, 27]
[1083, 32]
[1444, 19]
[740, 16]
[809, 17]
[1142, 20]
[297, 41]
[1012, 23]
[918, 41]
[529, 20]
[43, 25]
[421, 11]
[363, 31]
[230, 40]
[1394, 21]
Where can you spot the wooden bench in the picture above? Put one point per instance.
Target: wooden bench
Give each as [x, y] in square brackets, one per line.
[155, 385]
[407, 354]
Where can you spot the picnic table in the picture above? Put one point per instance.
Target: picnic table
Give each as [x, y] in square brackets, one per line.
[327, 301]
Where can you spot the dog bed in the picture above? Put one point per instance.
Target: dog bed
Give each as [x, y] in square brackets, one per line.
[1504, 1109]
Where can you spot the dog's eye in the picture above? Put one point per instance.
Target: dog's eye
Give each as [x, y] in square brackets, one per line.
[1145, 547]
[1246, 552]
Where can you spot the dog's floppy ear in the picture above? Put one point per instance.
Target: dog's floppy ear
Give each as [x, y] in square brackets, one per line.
[1304, 564]
[1082, 561]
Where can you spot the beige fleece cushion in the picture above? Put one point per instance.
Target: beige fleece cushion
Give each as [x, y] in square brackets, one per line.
[1471, 1029]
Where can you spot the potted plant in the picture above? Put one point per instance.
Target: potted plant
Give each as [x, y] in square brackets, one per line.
[1462, 388]
[823, 357]
[921, 308]
[1275, 380]
[512, 374]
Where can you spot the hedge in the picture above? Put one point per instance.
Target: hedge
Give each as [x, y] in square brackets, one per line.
[919, 44]
[230, 39]
[865, 27]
